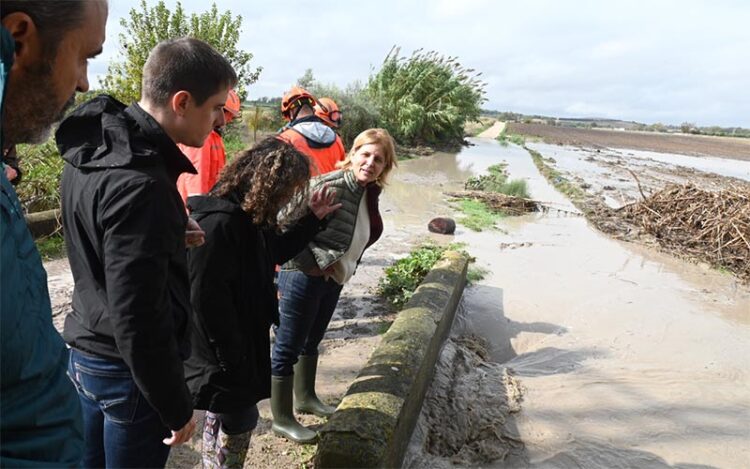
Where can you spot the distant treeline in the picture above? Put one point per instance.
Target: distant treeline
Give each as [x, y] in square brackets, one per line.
[593, 123]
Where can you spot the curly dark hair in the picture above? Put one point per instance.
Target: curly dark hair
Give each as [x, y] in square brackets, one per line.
[265, 179]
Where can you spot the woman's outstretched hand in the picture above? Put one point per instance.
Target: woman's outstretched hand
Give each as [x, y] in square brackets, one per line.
[321, 202]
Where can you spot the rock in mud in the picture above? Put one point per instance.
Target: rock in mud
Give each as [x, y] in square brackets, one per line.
[442, 225]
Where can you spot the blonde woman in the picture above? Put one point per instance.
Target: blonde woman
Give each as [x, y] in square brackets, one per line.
[311, 283]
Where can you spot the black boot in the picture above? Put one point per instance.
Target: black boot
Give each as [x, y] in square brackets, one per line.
[284, 423]
[305, 399]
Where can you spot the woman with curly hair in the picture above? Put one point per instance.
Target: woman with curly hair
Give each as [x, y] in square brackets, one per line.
[232, 292]
[311, 283]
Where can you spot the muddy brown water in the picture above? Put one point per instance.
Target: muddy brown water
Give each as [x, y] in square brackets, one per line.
[577, 350]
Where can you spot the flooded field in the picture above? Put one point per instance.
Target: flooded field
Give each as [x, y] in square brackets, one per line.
[578, 350]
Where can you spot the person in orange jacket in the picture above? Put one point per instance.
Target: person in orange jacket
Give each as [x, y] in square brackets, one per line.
[209, 159]
[310, 134]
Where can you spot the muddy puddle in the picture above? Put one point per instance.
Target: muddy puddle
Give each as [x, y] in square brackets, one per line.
[577, 350]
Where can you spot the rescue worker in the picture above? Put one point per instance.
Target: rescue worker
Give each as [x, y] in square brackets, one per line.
[308, 133]
[209, 159]
[328, 111]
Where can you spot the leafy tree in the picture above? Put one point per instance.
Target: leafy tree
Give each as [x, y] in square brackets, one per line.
[426, 98]
[146, 27]
[306, 80]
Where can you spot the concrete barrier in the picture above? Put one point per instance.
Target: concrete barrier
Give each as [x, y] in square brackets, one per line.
[44, 223]
[374, 422]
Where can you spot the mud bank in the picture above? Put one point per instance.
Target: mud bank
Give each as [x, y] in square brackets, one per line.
[374, 421]
[467, 418]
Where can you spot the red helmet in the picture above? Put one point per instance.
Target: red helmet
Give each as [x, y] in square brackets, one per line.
[295, 98]
[233, 105]
[328, 112]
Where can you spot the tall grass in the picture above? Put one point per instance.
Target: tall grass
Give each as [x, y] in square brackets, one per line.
[497, 181]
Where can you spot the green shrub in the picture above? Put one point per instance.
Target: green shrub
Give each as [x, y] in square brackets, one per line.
[51, 247]
[405, 275]
[497, 181]
[426, 98]
[42, 167]
[515, 188]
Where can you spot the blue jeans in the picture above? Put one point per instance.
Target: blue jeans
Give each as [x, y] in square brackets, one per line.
[305, 309]
[121, 428]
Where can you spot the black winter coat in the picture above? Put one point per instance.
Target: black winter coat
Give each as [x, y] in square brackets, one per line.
[235, 302]
[124, 225]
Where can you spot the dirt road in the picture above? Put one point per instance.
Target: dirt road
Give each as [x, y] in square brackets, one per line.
[493, 132]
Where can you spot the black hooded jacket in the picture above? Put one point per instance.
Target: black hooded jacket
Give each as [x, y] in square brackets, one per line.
[124, 225]
[234, 302]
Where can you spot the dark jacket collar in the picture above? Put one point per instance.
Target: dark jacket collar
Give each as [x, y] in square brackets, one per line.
[102, 133]
[174, 159]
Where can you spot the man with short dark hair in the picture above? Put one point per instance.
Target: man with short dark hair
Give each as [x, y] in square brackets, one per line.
[44, 50]
[124, 225]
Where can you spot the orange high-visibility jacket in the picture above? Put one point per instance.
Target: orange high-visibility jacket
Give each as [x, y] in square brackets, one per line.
[209, 160]
[323, 160]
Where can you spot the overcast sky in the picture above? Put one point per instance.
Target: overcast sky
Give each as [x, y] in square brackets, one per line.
[648, 61]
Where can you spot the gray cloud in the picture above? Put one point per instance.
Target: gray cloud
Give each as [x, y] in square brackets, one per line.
[668, 61]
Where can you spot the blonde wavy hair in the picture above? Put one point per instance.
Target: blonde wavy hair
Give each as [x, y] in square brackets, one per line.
[381, 138]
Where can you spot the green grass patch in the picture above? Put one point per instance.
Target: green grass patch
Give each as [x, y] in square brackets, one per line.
[51, 247]
[478, 216]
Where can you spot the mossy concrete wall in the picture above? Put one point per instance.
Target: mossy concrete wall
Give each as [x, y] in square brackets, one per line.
[373, 424]
[43, 223]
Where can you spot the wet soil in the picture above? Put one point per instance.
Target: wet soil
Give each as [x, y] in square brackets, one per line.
[698, 145]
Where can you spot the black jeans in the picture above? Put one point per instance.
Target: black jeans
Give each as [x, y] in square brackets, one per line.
[305, 309]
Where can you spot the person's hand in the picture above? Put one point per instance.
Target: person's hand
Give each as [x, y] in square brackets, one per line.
[194, 235]
[182, 435]
[321, 202]
[10, 173]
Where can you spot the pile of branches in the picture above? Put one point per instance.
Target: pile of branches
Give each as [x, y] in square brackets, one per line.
[499, 202]
[709, 226]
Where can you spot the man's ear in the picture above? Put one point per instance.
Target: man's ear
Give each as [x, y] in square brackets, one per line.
[26, 36]
[180, 102]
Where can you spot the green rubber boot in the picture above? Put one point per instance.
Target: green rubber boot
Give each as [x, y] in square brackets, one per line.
[284, 423]
[305, 399]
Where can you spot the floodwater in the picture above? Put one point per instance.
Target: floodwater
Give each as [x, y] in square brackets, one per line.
[577, 350]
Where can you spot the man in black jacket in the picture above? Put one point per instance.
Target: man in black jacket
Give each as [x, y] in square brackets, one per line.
[125, 228]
